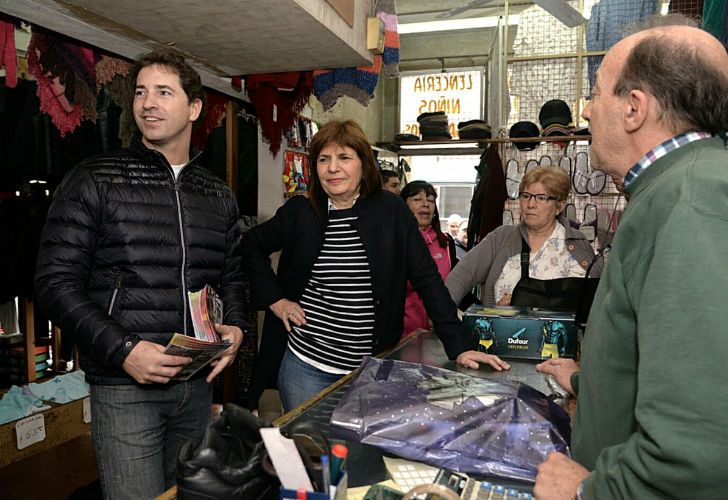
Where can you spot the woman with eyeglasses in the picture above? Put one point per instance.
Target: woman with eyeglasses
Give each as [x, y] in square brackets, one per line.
[556, 249]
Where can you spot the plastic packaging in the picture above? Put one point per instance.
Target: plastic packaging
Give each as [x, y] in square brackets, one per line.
[451, 420]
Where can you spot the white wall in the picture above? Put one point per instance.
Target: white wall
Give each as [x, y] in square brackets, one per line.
[270, 184]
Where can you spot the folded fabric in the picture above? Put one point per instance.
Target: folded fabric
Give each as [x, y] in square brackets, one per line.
[330, 85]
[18, 403]
[62, 389]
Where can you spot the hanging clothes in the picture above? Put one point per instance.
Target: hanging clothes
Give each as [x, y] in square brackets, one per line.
[278, 98]
[606, 25]
[489, 197]
[8, 54]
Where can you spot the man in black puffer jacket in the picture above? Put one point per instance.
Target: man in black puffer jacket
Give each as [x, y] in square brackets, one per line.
[127, 236]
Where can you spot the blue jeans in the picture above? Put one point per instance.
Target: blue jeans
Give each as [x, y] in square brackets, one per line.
[138, 431]
[299, 381]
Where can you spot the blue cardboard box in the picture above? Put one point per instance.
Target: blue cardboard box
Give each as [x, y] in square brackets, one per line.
[519, 332]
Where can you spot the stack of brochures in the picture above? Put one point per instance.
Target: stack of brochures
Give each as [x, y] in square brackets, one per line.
[206, 310]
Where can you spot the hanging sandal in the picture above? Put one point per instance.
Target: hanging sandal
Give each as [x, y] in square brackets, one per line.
[565, 164]
[589, 224]
[570, 214]
[513, 179]
[507, 218]
[580, 179]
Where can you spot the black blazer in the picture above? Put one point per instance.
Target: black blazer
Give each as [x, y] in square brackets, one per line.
[396, 253]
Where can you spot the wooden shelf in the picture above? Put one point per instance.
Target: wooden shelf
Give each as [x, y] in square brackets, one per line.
[467, 146]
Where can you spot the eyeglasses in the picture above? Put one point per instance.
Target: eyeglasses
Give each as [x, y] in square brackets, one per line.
[540, 198]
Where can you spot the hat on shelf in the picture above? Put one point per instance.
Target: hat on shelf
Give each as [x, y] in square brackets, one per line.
[434, 126]
[474, 129]
[434, 116]
[555, 111]
[524, 129]
[404, 137]
[555, 129]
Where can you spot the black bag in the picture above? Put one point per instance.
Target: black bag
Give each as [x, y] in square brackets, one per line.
[563, 294]
[230, 462]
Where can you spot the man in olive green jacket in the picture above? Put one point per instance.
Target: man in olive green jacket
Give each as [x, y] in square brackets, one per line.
[651, 413]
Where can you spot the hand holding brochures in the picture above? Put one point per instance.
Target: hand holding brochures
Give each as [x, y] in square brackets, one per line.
[206, 311]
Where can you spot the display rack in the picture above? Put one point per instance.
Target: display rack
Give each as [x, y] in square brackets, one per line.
[465, 146]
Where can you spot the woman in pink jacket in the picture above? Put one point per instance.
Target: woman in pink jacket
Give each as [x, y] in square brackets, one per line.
[420, 197]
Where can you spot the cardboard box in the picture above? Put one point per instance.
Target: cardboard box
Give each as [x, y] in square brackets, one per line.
[62, 422]
[517, 332]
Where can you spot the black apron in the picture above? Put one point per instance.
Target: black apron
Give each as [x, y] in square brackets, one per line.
[562, 294]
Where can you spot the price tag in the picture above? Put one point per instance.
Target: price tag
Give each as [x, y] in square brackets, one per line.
[87, 410]
[30, 430]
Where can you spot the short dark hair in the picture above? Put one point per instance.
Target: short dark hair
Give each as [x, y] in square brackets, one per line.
[691, 92]
[416, 187]
[188, 77]
[388, 174]
[346, 134]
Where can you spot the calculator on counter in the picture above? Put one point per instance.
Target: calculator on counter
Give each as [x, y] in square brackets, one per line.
[470, 489]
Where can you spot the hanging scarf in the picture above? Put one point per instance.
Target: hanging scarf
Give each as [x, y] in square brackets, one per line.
[278, 98]
[215, 108]
[8, 55]
[66, 78]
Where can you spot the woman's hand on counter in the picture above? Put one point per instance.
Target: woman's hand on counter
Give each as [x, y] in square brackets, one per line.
[473, 359]
[289, 312]
[561, 369]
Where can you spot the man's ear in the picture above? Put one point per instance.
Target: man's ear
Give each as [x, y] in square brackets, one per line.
[637, 110]
[195, 109]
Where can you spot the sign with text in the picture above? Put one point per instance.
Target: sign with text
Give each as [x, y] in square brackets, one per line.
[30, 430]
[458, 94]
[87, 410]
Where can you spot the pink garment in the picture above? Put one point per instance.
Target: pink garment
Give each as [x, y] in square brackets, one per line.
[415, 315]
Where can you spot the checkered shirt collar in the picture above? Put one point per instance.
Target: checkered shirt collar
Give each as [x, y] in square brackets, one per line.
[666, 147]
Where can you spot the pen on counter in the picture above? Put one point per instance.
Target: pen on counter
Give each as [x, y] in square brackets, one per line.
[338, 457]
[325, 473]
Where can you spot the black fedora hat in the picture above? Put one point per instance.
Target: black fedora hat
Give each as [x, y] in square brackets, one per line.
[555, 111]
[524, 129]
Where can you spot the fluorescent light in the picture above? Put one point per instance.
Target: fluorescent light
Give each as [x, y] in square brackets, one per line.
[453, 24]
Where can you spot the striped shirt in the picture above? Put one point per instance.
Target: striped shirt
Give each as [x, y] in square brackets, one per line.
[338, 302]
[655, 154]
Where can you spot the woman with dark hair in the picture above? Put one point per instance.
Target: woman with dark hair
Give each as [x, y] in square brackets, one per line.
[347, 253]
[421, 197]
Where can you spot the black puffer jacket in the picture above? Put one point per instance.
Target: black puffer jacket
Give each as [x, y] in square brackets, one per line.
[123, 243]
